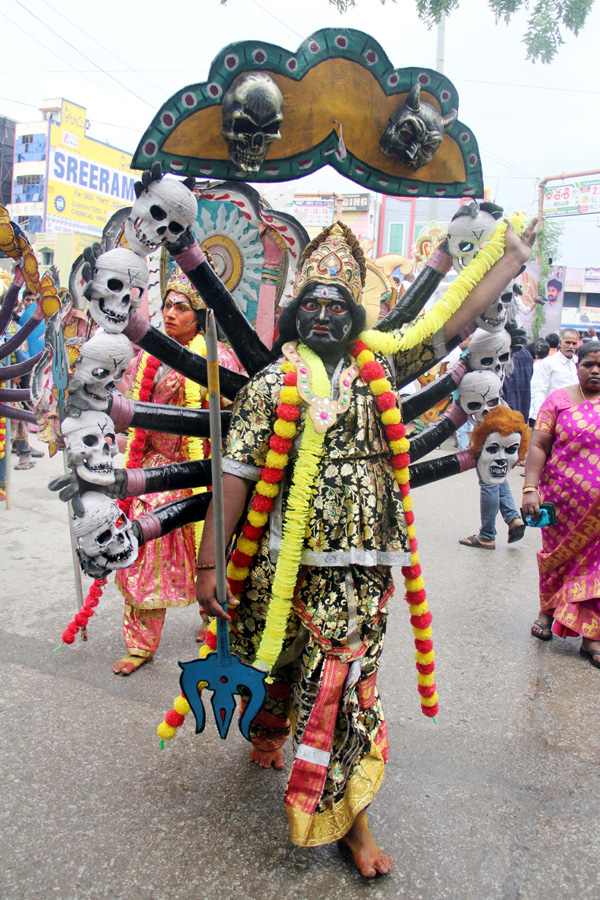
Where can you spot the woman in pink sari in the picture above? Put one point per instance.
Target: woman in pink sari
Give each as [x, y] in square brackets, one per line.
[164, 574]
[563, 468]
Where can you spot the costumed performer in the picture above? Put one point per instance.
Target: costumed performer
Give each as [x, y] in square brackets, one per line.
[163, 575]
[563, 468]
[341, 508]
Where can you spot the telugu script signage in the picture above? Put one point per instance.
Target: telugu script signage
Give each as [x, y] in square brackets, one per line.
[573, 199]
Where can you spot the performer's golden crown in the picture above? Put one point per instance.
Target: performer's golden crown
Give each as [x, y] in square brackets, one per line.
[333, 257]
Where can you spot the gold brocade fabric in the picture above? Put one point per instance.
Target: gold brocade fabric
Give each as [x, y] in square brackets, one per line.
[356, 516]
[356, 531]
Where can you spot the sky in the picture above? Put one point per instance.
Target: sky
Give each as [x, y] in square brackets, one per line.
[530, 120]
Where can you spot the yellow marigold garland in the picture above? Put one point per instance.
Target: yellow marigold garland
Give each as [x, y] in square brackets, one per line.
[438, 315]
[305, 475]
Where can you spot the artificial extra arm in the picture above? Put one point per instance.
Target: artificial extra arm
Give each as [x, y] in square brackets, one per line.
[162, 417]
[190, 365]
[442, 467]
[414, 299]
[437, 433]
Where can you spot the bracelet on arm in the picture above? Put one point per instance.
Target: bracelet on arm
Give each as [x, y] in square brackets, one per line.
[204, 566]
[528, 488]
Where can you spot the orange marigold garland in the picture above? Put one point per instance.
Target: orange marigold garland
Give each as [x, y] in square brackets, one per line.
[420, 617]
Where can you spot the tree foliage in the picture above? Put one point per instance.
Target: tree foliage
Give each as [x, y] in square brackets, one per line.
[547, 23]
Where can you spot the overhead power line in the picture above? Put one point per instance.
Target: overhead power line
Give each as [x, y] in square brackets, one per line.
[87, 58]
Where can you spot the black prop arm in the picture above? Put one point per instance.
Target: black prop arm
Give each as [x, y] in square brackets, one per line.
[436, 433]
[246, 344]
[412, 302]
[20, 337]
[9, 303]
[8, 373]
[415, 405]
[15, 395]
[174, 477]
[135, 482]
[442, 467]
[190, 365]
[163, 418]
[174, 515]
[19, 415]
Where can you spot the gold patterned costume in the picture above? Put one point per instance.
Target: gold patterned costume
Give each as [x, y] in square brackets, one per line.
[355, 532]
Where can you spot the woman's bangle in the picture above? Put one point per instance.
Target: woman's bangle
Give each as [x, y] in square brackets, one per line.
[527, 488]
[205, 566]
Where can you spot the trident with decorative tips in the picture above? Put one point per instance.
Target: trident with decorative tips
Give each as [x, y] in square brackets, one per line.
[223, 672]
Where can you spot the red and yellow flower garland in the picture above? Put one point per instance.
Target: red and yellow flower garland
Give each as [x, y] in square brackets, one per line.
[420, 617]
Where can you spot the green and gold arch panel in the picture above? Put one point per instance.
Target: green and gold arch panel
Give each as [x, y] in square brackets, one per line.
[339, 91]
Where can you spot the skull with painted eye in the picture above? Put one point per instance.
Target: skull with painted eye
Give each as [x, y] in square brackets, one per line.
[105, 538]
[470, 228]
[91, 445]
[102, 362]
[117, 283]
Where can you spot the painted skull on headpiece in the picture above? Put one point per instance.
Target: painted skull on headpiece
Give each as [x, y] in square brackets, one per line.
[104, 534]
[478, 393]
[252, 117]
[489, 351]
[416, 131]
[162, 212]
[102, 361]
[118, 282]
[91, 444]
[470, 228]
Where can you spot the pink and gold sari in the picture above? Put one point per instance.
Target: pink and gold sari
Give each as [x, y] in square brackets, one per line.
[164, 573]
[569, 562]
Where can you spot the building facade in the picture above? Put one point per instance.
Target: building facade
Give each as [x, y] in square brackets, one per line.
[63, 180]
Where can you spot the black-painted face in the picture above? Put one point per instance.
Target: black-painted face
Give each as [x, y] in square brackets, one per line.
[324, 321]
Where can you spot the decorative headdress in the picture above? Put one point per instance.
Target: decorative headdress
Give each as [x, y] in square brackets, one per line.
[333, 257]
[181, 283]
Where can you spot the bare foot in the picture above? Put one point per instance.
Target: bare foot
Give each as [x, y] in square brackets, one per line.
[370, 860]
[267, 758]
[129, 664]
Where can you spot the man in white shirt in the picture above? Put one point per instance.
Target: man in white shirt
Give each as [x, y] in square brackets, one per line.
[555, 371]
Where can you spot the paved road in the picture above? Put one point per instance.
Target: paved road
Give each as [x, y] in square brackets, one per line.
[498, 801]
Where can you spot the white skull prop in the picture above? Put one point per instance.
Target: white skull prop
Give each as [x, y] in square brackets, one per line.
[467, 233]
[489, 351]
[252, 116]
[478, 393]
[498, 455]
[102, 361]
[493, 319]
[91, 444]
[104, 534]
[116, 273]
[161, 213]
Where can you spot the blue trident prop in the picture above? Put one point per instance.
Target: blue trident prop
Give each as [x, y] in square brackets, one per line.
[223, 673]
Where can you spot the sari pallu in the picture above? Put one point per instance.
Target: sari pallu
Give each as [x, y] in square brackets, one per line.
[569, 562]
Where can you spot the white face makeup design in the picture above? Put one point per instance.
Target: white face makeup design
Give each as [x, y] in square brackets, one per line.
[499, 454]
